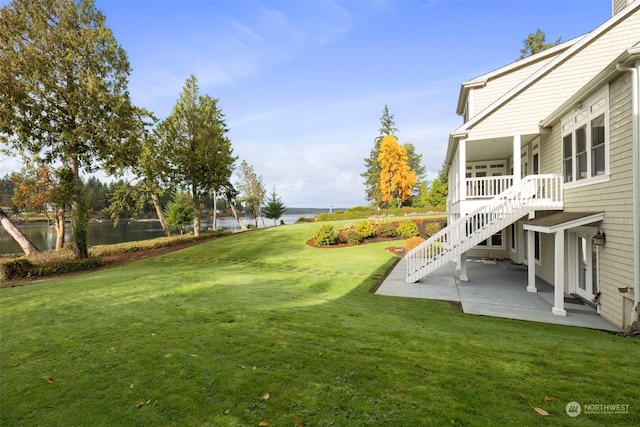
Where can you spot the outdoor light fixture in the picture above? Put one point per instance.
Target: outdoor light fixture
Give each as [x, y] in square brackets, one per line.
[599, 238]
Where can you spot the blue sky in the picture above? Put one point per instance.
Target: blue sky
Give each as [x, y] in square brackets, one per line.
[303, 84]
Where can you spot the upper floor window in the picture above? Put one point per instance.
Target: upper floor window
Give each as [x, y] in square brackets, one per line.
[585, 142]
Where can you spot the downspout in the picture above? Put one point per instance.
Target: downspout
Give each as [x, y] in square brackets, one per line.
[635, 138]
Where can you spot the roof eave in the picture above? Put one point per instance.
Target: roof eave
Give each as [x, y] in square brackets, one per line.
[481, 81]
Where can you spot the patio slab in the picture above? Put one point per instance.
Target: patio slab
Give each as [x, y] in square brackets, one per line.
[496, 289]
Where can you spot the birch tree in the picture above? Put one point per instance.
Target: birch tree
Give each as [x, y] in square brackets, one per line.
[252, 190]
[147, 169]
[27, 247]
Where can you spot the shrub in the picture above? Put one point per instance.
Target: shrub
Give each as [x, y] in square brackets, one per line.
[408, 229]
[431, 228]
[349, 226]
[325, 235]
[22, 268]
[304, 219]
[51, 268]
[352, 237]
[365, 229]
[15, 269]
[412, 242]
[387, 229]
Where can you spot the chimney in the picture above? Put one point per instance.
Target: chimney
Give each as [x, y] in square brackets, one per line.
[618, 5]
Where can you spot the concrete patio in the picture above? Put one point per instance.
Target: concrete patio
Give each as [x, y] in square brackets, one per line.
[497, 289]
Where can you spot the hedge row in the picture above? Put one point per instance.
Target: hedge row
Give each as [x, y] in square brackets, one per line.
[354, 234]
[363, 212]
[22, 268]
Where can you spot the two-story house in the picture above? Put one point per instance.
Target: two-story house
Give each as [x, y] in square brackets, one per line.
[545, 170]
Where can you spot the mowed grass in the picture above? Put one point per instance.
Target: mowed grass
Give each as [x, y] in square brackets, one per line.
[258, 327]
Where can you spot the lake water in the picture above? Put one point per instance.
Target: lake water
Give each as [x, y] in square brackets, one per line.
[43, 236]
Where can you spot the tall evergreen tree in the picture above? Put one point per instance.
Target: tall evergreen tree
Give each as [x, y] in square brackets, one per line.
[371, 174]
[536, 43]
[274, 208]
[63, 91]
[195, 146]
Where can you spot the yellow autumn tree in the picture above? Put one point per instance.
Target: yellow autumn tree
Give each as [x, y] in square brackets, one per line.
[396, 177]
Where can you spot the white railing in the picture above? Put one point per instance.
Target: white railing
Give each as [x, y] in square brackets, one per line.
[534, 192]
[487, 186]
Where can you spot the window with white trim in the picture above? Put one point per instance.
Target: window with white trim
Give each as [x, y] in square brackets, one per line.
[495, 241]
[585, 140]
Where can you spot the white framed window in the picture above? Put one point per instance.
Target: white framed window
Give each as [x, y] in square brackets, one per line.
[496, 241]
[585, 141]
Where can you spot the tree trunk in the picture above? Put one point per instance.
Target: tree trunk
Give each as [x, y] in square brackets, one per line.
[255, 216]
[79, 217]
[195, 204]
[262, 218]
[58, 223]
[163, 222]
[214, 223]
[235, 214]
[26, 245]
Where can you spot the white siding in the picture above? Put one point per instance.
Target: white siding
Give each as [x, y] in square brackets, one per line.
[498, 86]
[614, 198]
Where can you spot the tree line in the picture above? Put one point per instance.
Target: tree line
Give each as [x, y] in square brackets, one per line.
[65, 108]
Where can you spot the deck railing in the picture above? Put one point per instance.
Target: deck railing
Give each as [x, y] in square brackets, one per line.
[534, 192]
[487, 187]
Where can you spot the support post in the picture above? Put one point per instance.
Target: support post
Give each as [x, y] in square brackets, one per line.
[517, 159]
[462, 171]
[558, 286]
[531, 258]
[463, 268]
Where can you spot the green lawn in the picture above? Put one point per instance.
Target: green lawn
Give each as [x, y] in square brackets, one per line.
[258, 327]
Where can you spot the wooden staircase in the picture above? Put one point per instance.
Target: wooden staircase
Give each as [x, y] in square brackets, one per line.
[532, 193]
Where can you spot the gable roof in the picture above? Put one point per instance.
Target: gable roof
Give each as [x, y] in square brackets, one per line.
[576, 47]
[529, 61]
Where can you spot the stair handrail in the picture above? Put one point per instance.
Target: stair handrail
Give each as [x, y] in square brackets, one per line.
[511, 200]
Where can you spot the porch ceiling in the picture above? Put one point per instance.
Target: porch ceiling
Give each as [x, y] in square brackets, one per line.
[494, 148]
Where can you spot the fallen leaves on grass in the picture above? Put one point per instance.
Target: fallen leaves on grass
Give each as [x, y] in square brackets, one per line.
[541, 411]
[142, 403]
[548, 399]
[227, 411]
[263, 423]
[602, 360]
[265, 396]
[456, 398]
[50, 380]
